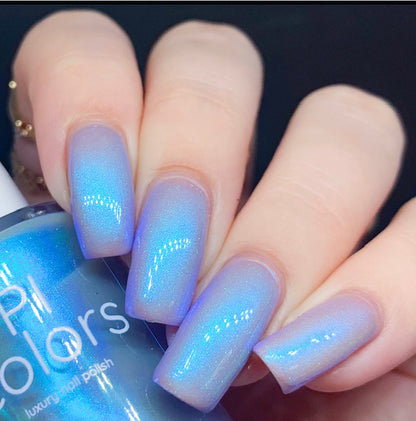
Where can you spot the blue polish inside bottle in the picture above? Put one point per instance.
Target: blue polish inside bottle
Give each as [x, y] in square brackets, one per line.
[68, 351]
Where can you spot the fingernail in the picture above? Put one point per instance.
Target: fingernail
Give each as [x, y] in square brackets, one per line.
[318, 340]
[168, 251]
[102, 196]
[216, 338]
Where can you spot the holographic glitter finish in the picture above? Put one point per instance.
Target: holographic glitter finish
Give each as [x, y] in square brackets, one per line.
[102, 196]
[68, 351]
[168, 251]
[216, 338]
[318, 340]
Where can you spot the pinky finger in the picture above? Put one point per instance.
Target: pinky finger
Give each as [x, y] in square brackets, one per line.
[359, 324]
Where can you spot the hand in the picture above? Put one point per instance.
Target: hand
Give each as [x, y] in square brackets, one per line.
[173, 165]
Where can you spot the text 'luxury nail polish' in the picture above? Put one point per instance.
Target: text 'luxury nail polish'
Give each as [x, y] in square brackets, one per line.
[68, 351]
[216, 338]
[102, 196]
[168, 251]
[318, 340]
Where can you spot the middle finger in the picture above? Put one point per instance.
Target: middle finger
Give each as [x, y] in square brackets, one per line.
[203, 85]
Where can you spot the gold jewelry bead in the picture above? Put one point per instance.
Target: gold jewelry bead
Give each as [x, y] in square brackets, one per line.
[26, 178]
[22, 128]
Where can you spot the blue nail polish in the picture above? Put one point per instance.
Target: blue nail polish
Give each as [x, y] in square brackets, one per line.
[102, 196]
[68, 351]
[216, 338]
[318, 340]
[168, 251]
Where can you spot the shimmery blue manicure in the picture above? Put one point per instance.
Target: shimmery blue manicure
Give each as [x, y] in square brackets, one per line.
[216, 338]
[102, 196]
[168, 251]
[318, 340]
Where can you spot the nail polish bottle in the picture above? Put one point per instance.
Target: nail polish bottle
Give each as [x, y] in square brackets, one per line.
[68, 351]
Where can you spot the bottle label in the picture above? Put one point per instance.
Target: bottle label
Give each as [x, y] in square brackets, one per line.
[68, 351]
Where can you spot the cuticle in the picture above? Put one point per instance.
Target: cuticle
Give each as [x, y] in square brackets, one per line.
[366, 296]
[185, 173]
[77, 125]
[267, 262]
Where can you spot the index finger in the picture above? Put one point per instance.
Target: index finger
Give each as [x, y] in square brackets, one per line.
[79, 84]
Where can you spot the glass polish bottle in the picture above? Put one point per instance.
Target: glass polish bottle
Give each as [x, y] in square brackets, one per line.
[68, 351]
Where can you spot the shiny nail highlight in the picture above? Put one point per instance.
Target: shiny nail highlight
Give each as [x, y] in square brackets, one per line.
[216, 338]
[168, 250]
[102, 196]
[318, 340]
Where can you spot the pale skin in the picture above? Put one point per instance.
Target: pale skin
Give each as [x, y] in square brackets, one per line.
[335, 166]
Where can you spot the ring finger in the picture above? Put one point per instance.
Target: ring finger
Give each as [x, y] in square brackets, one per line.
[336, 164]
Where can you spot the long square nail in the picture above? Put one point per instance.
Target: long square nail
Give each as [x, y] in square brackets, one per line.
[102, 196]
[168, 250]
[216, 338]
[318, 340]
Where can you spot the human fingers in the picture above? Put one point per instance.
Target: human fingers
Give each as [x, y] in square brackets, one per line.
[336, 164]
[78, 82]
[203, 84]
[383, 272]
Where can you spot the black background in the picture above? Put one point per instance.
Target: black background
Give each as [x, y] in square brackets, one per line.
[304, 46]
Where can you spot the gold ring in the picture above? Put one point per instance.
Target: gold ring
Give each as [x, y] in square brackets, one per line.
[22, 128]
[24, 177]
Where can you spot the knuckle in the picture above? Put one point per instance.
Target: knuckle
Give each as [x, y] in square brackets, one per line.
[62, 23]
[71, 17]
[181, 98]
[73, 43]
[218, 39]
[210, 32]
[365, 110]
[206, 65]
[72, 29]
[408, 240]
[321, 204]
